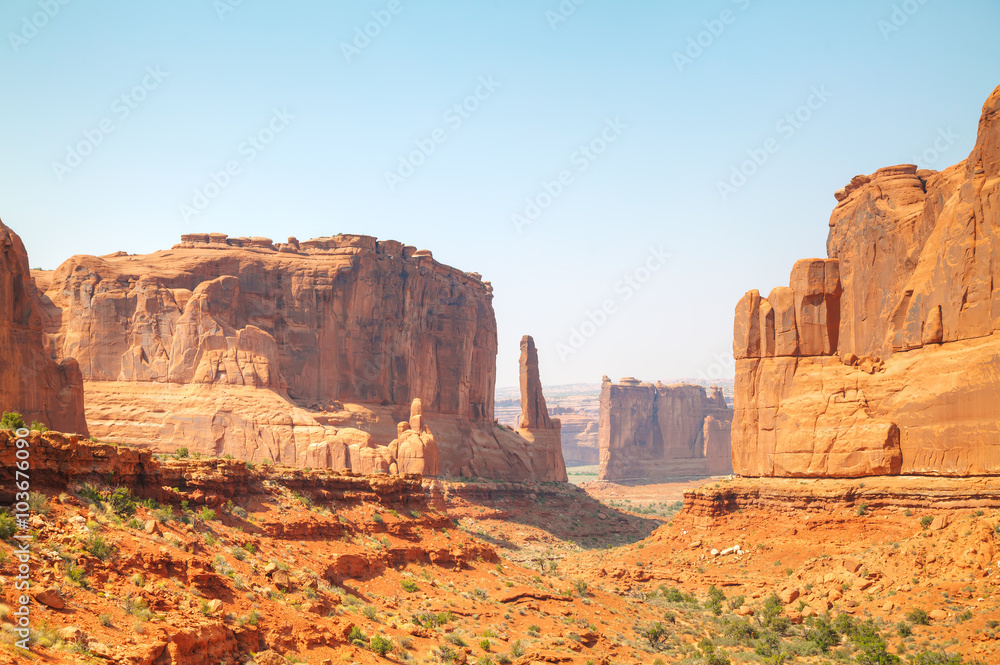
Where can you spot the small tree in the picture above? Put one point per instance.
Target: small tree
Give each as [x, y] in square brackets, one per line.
[11, 420]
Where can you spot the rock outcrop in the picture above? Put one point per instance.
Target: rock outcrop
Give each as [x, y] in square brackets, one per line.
[31, 382]
[659, 431]
[308, 353]
[885, 357]
[536, 426]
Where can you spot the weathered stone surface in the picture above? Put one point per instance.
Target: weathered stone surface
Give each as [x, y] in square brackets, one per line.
[541, 431]
[308, 353]
[534, 413]
[662, 431]
[31, 382]
[894, 366]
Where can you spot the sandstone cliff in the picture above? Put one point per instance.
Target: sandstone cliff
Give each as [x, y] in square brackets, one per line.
[31, 382]
[309, 353]
[661, 431]
[883, 358]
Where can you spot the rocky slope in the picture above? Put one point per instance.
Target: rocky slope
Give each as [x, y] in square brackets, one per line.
[661, 431]
[310, 353]
[883, 358]
[32, 383]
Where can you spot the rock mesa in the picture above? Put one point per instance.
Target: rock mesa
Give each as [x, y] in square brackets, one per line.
[342, 352]
[883, 358]
[661, 431]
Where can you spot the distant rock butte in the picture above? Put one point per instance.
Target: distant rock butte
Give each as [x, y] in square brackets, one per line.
[885, 357]
[31, 382]
[338, 352]
[662, 431]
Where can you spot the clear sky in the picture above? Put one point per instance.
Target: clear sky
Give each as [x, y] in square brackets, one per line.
[586, 149]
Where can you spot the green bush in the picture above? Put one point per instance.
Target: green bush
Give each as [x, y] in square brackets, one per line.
[357, 637]
[872, 649]
[91, 494]
[918, 617]
[97, 546]
[11, 420]
[822, 635]
[182, 452]
[206, 514]
[409, 585]
[926, 520]
[122, 503]
[485, 644]
[655, 634]
[380, 645]
[8, 525]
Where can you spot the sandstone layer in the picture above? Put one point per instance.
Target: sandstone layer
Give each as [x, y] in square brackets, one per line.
[652, 432]
[310, 353]
[31, 382]
[885, 357]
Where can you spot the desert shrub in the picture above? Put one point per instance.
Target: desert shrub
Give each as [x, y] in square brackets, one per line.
[357, 637]
[206, 514]
[121, 502]
[91, 494]
[105, 620]
[377, 518]
[655, 634]
[581, 587]
[822, 635]
[517, 649]
[485, 644]
[903, 629]
[672, 595]
[714, 600]
[935, 658]
[409, 585]
[8, 525]
[38, 503]
[380, 645]
[926, 520]
[97, 546]
[457, 640]
[918, 616]
[182, 452]
[872, 649]
[741, 631]
[11, 420]
[863, 509]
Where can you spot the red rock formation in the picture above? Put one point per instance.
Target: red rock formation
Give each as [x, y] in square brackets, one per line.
[884, 358]
[304, 352]
[542, 432]
[31, 382]
[662, 431]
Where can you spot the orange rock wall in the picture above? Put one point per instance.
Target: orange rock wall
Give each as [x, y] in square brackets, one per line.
[31, 382]
[883, 358]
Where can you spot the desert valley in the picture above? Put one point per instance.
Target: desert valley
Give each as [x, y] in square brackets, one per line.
[236, 450]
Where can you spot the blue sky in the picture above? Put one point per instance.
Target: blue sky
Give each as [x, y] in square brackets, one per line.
[583, 110]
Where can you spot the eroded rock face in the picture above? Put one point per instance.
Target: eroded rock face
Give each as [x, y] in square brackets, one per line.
[31, 382]
[308, 353]
[661, 431]
[541, 431]
[883, 358]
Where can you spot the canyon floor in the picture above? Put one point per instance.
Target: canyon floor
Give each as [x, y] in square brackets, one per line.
[449, 572]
